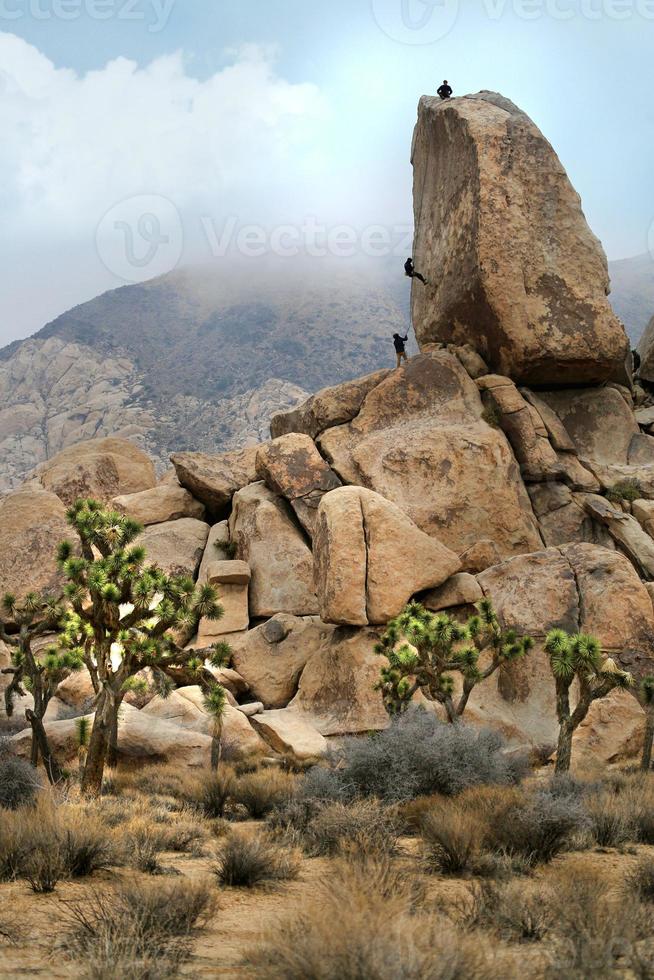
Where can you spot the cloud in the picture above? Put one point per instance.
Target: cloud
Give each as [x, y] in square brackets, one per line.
[243, 142]
[74, 145]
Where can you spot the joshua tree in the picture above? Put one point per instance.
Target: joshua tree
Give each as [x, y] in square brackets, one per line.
[124, 617]
[83, 730]
[424, 649]
[39, 673]
[645, 695]
[215, 701]
[580, 658]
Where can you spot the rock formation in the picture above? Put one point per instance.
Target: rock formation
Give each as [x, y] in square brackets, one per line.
[510, 464]
[501, 238]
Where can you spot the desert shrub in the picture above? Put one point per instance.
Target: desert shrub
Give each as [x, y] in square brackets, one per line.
[361, 921]
[214, 791]
[245, 861]
[43, 865]
[516, 911]
[639, 798]
[85, 844]
[417, 756]
[140, 932]
[596, 933]
[536, 827]
[610, 819]
[452, 838]
[640, 881]
[261, 791]
[157, 830]
[19, 781]
[364, 826]
[627, 490]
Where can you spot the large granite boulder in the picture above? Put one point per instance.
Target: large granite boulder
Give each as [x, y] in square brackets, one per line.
[101, 468]
[279, 557]
[292, 467]
[32, 523]
[289, 733]
[579, 588]
[214, 480]
[420, 441]
[512, 265]
[337, 692]
[331, 406]
[176, 546]
[271, 657]
[370, 558]
[165, 502]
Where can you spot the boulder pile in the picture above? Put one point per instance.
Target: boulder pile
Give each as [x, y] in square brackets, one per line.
[507, 460]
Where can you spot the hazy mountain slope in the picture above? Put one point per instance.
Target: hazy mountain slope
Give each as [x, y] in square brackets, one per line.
[198, 359]
[632, 292]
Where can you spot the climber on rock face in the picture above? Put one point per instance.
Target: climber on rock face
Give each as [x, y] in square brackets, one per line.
[399, 343]
[445, 91]
[411, 272]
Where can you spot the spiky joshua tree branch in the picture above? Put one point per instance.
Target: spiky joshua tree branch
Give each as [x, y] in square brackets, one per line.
[425, 650]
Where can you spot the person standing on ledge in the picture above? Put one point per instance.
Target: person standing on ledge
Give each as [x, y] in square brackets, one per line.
[411, 272]
[445, 91]
[399, 347]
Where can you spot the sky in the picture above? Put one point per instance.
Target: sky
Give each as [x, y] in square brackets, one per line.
[141, 135]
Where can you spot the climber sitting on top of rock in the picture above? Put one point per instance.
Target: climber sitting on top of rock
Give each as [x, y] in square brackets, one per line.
[445, 91]
[411, 272]
[399, 343]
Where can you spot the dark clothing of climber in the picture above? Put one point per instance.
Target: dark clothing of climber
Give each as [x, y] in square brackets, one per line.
[445, 91]
[411, 272]
[399, 343]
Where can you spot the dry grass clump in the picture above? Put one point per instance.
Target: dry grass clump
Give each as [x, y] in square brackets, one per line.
[245, 861]
[19, 781]
[452, 837]
[212, 793]
[640, 881]
[596, 933]
[263, 790]
[364, 827]
[362, 922]
[142, 931]
[46, 843]
[515, 911]
[611, 819]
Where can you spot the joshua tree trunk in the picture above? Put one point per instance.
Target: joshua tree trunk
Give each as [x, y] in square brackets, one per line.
[646, 759]
[216, 746]
[564, 747]
[112, 751]
[41, 745]
[106, 715]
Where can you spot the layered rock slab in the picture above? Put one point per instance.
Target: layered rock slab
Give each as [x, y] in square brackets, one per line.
[292, 467]
[501, 237]
[420, 441]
